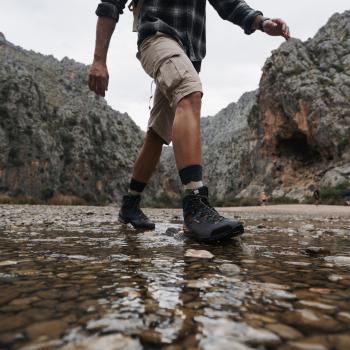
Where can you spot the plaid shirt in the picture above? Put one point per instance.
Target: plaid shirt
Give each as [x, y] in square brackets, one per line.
[182, 19]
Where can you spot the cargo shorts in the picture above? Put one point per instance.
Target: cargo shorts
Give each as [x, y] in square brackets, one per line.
[164, 60]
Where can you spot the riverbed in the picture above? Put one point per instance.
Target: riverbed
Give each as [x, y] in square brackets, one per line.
[74, 278]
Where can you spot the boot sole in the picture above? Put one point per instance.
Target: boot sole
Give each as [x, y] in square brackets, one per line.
[222, 234]
[123, 222]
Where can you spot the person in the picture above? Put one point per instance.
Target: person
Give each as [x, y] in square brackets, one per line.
[317, 196]
[171, 46]
[263, 198]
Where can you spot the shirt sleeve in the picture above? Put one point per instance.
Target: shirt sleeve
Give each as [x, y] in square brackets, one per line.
[111, 8]
[237, 12]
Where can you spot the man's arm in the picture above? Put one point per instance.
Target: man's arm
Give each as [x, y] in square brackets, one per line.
[108, 12]
[240, 13]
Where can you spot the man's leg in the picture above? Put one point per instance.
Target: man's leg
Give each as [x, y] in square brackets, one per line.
[186, 131]
[148, 157]
[144, 167]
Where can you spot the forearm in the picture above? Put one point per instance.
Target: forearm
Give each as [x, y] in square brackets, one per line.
[104, 31]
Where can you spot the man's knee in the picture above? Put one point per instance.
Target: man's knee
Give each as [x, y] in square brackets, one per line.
[192, 101]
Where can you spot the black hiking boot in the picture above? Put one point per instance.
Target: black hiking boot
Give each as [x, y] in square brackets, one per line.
[203, 223]
[130, 213]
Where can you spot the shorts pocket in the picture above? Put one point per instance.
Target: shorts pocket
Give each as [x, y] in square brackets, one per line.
[170, 75]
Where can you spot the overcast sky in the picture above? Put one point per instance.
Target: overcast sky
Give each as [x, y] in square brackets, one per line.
[232, 66]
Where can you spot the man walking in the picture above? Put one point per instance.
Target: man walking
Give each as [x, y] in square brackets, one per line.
[171, 46]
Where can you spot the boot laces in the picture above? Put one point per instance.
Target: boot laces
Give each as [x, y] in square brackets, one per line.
[201, 209]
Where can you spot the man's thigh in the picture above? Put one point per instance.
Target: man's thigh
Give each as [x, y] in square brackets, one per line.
[164, 59]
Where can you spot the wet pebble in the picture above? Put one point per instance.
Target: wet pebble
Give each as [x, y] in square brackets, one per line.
[284, 331]
[201, 254]
[315, 251]
[108, 342]
[339, 260]
[311, 319]
[230, 269]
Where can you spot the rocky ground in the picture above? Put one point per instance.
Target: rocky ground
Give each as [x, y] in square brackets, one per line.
[73, 278]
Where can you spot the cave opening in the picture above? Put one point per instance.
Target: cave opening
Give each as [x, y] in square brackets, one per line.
[296, 146]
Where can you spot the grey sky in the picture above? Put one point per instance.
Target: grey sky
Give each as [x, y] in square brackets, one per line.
[232, 66]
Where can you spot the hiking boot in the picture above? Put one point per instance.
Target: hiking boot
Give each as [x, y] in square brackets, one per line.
[203, 223]
[130, 213]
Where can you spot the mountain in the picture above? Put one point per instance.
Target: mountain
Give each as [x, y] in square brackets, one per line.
[56, 137]
[292, 134]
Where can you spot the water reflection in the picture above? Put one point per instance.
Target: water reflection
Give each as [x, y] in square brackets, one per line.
[74, 278]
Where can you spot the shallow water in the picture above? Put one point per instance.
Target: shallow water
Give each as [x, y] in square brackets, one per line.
[73, 278]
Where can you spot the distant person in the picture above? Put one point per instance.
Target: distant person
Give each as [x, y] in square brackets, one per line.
[263, 197]
[171, 47]
[347, 197]
[317, 196]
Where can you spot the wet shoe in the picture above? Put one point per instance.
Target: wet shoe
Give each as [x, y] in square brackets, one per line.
[130, 213]
[203, 223]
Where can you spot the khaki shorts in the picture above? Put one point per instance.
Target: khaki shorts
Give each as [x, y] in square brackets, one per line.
[164, 60]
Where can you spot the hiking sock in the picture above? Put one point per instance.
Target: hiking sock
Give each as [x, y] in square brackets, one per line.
[191, 177]
[136, 187]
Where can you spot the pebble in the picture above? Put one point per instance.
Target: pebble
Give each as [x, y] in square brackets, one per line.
[50, 329]
[201, 254]
[8, 263]
[230, 269]
[284, 331]
[310, 319]
[239, 331]
[108, 342]
[324, 307]
[171, 231]
[222, 344]
[344, 316]
[339, 260]
[315, 251]
[335, 278]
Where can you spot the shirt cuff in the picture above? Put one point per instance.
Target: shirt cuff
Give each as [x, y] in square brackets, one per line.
[249, 21]
[107, 9]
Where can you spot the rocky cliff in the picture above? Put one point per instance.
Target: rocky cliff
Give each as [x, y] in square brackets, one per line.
[286, 138]
[293, 133]
[55, 136]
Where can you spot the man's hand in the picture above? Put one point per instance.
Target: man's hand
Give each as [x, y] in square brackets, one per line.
[98, 78]
[276, 27]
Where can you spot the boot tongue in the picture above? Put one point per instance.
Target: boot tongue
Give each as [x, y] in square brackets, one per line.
[201, 191]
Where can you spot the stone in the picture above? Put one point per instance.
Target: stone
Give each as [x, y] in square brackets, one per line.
[339, 260]
[230, 269]
[344, 317]
[107, 342]
[200, 254]
[238, 331]
[284, 331]
[315, 251]
[303, 346]
[311, 319]
[317, 305]
[50, 329]
[335, 278]
[222, 344]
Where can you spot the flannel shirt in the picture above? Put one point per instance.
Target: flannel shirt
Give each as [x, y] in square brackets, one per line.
[182, 19]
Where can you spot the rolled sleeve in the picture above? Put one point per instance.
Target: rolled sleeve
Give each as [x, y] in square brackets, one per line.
[111, 8]
[238, 12]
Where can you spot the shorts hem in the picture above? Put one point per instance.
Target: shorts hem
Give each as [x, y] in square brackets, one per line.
[185, 92]
[165, 140]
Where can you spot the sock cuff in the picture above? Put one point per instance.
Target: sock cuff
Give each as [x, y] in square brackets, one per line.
[192, 173]
[137, 186]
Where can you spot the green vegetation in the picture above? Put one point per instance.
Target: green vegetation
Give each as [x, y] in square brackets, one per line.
[331, 195]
